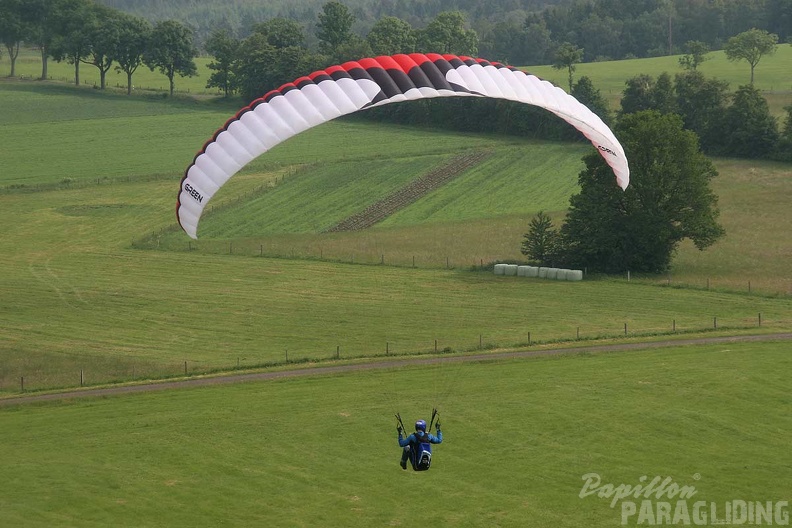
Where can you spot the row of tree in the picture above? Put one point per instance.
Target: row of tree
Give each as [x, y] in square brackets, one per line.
[616, 29]
[738, 124]
[84, 32]
[275, 52]
[517, 31]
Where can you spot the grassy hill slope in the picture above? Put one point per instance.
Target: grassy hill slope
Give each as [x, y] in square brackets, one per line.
[280, 454]
[773, 76]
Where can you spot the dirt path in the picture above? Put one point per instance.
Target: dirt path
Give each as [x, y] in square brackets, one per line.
[411, 361]
[411, 193]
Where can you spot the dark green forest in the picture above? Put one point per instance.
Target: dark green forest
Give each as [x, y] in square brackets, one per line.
[522, 32]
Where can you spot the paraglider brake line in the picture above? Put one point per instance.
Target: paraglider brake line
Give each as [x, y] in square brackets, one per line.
[401, 424]
[435, 413]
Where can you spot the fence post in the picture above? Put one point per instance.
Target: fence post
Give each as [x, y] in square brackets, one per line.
[185, 368]
[760, 318]
[749, 286]
[715, 322]
[82, 378]
[338, 351]
[625, 328]
[22, 383]
[480, 341]
[673, 326]
[529, 338]
[387, 348]
[578, 333]
[435, 346]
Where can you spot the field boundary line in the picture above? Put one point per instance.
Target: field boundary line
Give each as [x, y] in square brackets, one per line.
[378, 365]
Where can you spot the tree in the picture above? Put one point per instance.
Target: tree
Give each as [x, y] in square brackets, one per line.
[638, 94]
[133, 37]
[225, 50]
[663, 96]
[447, 33]
[566, 56]
[779, 18]
[541, 242]
[702, 102]
[103, 37]
[536, 43]
[585, 92]
[391, 35]
[784, 149]
[696, 54]
[12, 29]
[669, 199]
[73, 41]
[261, 67]
[751, 46]
[281, 32]
[171, 50]
[749, 129]
[334, 27]
[353, 49]
[41, 20]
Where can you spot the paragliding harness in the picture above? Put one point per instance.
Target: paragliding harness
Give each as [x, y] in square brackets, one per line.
[420, 455]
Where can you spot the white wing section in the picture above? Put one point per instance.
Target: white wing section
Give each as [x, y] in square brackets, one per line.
[352, 87]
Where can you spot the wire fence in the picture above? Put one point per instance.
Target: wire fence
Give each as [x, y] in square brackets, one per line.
[88, 370]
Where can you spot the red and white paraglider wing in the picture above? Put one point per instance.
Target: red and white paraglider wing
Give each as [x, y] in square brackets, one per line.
[353, 86]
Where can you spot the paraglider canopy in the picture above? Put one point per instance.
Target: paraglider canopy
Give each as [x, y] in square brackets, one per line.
[353, 86]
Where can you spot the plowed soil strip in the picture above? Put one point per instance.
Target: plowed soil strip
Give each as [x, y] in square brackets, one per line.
[411, 193]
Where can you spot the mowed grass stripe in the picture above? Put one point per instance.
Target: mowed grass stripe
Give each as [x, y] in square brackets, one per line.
[528, 179]
[245, 454]
[313, 200]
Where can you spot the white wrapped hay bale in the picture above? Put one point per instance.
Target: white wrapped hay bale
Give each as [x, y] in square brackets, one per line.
[533, 271]
[562, 274]
[511, 270]
[552, 273]
[575, 275]
[542, 274]
[522, 271]
[500, 269]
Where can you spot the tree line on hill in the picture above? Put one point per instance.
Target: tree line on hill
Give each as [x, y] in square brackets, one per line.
[522, 32]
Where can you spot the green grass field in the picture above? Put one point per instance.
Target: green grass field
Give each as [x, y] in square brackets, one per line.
[78, 296]
[97, 282]
[321, 451]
